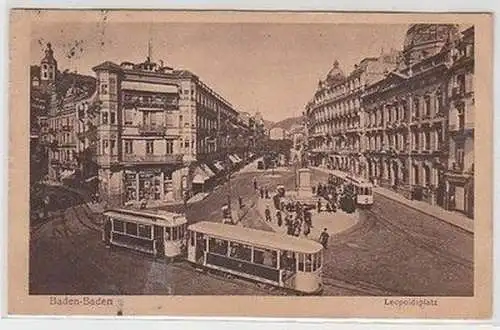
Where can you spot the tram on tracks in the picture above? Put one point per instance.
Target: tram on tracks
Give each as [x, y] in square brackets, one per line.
[158, 233]
[265, 257]
[360, 188]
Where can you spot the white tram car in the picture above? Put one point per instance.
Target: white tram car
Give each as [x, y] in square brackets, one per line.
[265, 257]
[362, 189]
[158, 233]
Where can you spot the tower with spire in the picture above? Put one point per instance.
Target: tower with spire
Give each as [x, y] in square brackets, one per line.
[48, 67]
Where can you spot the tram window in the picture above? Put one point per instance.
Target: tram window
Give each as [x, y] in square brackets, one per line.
[217, 246]
[308, 262]
[145, 231]
[191, 237]
[168, 233]
[287, 261]
[118, 226]
[265, 257]
[301, 262]
[174, 233]
[240, 251]
[182, 231]
[131, 228]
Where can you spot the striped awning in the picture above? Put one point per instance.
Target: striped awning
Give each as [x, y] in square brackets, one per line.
[219, 165]
[199, 175]
[233, 159]
[207, 170]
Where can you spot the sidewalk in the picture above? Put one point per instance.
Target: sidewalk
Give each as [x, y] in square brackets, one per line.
[333, 222]
[454, 218]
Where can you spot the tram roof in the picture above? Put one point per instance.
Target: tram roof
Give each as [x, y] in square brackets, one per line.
[152, 217]
[256, 237]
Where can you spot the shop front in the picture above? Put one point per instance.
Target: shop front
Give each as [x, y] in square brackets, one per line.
[149, 184]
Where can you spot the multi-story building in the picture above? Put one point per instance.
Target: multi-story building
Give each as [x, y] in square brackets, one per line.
[459, 176]
[335, 117]
[62, 125]
[163, 133]
[407, 117]
[412, 123]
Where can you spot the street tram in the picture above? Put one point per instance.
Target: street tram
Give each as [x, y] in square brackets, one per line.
[360, 188]
[158, 233]
[265, 257]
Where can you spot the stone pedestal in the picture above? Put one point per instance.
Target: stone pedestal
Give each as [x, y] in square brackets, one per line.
[304, 182]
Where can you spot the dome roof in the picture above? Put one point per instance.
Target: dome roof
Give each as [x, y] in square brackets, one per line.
[419, 34]
[423, 40]
[335, 74]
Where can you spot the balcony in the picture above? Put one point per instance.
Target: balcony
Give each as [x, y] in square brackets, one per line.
[152, 158]
[106, 159]
[153, 106]
[148, 129]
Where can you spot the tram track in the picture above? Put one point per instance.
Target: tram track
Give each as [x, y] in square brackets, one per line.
[417, 240]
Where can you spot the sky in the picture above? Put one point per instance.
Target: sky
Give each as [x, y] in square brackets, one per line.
[271, 68]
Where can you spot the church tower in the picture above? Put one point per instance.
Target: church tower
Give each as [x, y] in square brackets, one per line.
[48, 67]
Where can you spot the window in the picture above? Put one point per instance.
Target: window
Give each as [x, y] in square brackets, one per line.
[427, 175]
[186, 144]
[461, 118]
[427, 106]
[217, 246]
[129, 146]
[112, 86]
[118, 226]
[265, 257]
[113, 118]
[128, 117]
[104, 89]
[427, 140]
[113, 145]
[240, 251]
[169, 146]
[145, 231]
[104, 117]
[131, 228]
[301, 262]
[149, 147]
[105, 145]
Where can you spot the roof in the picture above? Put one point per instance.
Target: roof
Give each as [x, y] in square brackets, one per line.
[107, 65]
[256, 237]
[151, 217]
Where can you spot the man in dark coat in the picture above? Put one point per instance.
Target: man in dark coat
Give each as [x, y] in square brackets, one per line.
[323, 238]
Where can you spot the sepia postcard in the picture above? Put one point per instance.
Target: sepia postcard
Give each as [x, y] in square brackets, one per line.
[251, 164]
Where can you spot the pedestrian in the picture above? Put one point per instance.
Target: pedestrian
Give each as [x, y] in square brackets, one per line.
[266, 192]
[255, 186]
[313, 189]
[323, 238]
[267, 212]
[319, 205]
[328, 207]
[307, 229]
[240, 202]
[279, 218]
[261, 192]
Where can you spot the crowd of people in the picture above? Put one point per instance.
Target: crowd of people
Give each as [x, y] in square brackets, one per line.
[294, 215]
[336, 195]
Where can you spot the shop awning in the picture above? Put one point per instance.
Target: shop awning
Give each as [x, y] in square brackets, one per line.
[219, 166]
[199, 175]
[233, 159]
[67, 173]
[207, 170]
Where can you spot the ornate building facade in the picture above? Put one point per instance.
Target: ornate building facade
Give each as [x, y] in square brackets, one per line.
[335, 116]
[413, 125]
[459, 177]
[163, 133]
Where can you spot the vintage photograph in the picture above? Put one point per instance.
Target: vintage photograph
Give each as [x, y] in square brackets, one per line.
[217, 158]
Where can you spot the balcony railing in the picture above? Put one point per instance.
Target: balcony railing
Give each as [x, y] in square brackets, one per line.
[149, 129]
[151, 105]
[132, 158]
